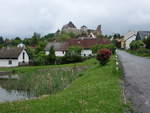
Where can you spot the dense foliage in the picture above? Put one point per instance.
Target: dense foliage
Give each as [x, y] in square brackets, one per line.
[103, 56]
[73, 55]
[147, 42]
[111, 47]
[136, 44]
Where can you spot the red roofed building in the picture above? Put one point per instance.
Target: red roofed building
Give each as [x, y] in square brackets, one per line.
[86, 44]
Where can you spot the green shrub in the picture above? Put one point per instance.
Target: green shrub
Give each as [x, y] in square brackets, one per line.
[51, 57]
[136, 44]
[39, 59]
[147, 42]
[111, 47]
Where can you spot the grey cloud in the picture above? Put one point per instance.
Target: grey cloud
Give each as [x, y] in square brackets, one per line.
[23, 17]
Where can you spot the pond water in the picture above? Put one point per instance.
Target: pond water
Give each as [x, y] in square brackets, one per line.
[11, 95]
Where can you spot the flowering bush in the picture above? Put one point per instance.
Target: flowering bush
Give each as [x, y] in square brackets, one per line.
[103, 56]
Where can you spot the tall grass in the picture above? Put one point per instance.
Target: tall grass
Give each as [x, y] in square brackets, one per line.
[45, 81]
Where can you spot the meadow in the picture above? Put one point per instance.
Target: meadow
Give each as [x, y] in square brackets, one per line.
[96, 90]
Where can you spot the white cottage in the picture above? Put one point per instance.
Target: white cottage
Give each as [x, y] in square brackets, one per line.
[128, 38]
[62, 47]
[58, 47]
[13, 57]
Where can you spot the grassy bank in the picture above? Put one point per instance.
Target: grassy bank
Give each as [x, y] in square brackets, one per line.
[98, 90]
[31, 69]
[140, 52]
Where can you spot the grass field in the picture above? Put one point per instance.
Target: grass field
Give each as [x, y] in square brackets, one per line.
[98, 90]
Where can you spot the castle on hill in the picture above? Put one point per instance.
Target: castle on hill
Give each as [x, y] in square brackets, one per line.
[83, 31]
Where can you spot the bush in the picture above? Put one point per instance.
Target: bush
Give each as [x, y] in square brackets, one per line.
[68, 58]
[103, 56]
[51, 57]
[39, 59]
[141, 52]
[147, 42]
[111, 47]
[136, 44]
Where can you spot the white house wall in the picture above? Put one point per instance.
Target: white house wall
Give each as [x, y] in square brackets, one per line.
[129, 41]
[86, 52]
[61, 53]
[47, 52]
[57, 53]
[5, 63]
[26, 58]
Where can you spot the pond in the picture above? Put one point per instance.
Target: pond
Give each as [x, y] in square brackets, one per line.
[11, 95]
[35, 84]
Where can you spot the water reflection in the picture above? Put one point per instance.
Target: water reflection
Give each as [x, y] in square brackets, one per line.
[12, 95]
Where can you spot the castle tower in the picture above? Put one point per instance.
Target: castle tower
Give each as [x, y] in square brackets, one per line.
[99, 30]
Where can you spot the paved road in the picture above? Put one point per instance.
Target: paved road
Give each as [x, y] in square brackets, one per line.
[137, 80]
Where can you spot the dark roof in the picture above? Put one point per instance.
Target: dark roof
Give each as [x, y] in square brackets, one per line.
[58, 46]
[142, 35]
[10, 53]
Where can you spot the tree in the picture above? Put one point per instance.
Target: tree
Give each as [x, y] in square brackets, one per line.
[73, 55]
[75, 50]
[1, 40]
[147, 42]
[35, 39]
[111, 47]
[39, 59]
[117, 35]
[51, 57]
[16, 41]
[136, 44]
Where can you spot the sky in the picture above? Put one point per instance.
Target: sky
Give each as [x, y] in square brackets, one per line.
[23, 17]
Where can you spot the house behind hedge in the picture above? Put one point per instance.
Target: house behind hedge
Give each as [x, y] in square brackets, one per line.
[62, 47]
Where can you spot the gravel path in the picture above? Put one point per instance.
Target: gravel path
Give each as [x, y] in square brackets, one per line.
[137, 80]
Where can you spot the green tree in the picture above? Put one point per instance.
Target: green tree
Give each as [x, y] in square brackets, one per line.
[74, 50]
[111, 47]
[136, 44]
[39, 59]
[51, 57]
[16, 41]
[147, 42]
[73, 55]
[35, 39]
[1, 40]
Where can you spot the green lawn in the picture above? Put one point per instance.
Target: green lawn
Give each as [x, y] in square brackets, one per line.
[98, 90]
[35, 68]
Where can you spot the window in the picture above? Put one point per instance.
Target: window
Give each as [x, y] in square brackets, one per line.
[10, 62]
[23, 55]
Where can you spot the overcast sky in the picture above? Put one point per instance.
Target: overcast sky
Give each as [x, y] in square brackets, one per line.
[23, 17]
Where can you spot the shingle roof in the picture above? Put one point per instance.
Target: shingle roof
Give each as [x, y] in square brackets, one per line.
[58, 46]
[10, 53]
[142, 35]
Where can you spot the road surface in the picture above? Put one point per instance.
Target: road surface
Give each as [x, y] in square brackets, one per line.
[137, 80]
